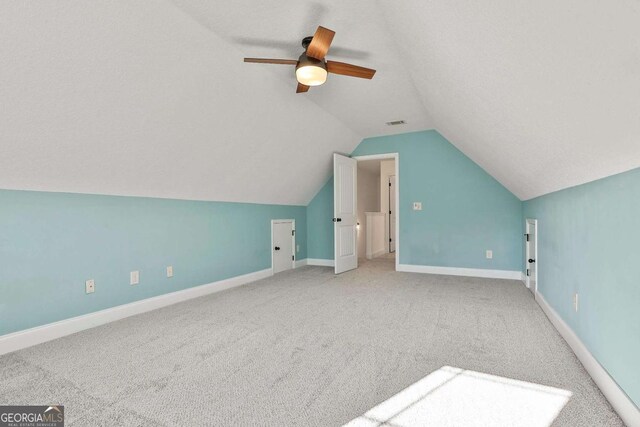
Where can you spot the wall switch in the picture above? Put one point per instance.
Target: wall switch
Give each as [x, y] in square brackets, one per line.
[90, 286]
[575, 302]
[417, 206]
[170, 271]
[297, 248]
[489, 254]
[134, 277]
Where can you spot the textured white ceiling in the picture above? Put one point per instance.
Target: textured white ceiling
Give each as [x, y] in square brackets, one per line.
[542, 94]
[152, 98]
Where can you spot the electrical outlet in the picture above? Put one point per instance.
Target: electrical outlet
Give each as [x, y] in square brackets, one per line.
[489, 254]
[575, 302]
[134, 277]
[417, 206]
[170, 271]
[90, 286]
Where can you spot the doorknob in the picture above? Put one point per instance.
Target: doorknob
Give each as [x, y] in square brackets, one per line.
[531, 260]
[277, 248]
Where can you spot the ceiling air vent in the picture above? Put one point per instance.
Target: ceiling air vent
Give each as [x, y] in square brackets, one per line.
[396, 123]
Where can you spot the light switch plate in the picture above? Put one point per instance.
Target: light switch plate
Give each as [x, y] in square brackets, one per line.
[170, 271]
[417, 206]
[489, 254]
[134, 277]
[90, 286]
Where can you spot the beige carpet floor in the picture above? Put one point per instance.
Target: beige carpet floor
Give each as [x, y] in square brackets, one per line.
[308, 348]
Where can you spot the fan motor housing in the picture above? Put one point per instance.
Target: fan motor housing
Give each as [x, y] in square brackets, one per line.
[306, 42]
[305, 60]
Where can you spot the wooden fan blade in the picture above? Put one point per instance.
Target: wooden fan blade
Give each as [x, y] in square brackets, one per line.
[271, 61]
[345, 69]
[320, 43]
[302, 88]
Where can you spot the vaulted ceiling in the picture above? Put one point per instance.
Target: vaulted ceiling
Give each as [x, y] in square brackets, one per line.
[152, 98]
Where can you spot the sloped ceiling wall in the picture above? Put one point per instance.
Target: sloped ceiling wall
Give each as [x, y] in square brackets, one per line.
[542, 94]
[152, 98]
[137, 98]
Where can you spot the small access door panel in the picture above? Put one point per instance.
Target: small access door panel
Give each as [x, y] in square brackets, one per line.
[345, 180]
[531, 254]
[283, 238]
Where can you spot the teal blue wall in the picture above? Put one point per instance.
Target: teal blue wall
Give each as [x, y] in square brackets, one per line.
[588, 240]
[50, 243]
[465, 210]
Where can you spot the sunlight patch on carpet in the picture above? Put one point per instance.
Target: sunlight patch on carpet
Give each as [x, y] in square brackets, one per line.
[458, 397]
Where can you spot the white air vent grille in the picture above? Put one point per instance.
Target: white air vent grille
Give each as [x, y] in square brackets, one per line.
[396, 123]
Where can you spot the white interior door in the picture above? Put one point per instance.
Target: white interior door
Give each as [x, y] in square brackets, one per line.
[345, 180]
[282, 242]
[531, 262]
[392, 213]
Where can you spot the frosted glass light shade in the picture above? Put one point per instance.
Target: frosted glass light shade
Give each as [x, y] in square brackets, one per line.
[311, 75]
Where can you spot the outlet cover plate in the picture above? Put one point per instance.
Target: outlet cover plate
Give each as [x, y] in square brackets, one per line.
[90, 286]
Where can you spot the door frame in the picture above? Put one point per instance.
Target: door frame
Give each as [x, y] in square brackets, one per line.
[293, 240]
[396, 157]
[395, 196]
[528, 223]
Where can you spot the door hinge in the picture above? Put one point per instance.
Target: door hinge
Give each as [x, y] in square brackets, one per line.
[293, 232]
[528, 273]
[293, 257]
[526, 235]
[389, 184]
[389, 240]
[389, 212]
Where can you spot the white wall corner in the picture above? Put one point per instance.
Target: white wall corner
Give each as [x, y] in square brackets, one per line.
[381, 252]
[39, 334]
[321, 262]
[458, 271]
[623, 405]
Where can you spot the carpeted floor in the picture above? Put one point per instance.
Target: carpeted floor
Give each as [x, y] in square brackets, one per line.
[303, 348]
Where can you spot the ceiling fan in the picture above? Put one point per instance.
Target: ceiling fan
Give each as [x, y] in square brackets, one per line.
[311, 67]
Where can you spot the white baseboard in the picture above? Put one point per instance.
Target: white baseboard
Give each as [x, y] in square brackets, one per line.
[457, 271]
[622, 404]
[301, 262]
[22, 339]
[320, 262]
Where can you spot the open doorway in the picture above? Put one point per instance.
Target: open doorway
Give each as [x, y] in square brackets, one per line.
[371, 228]
[371, 239]
[377, 207]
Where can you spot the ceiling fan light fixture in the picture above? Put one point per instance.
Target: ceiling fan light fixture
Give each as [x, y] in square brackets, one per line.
[312, 68]
[311, 71]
